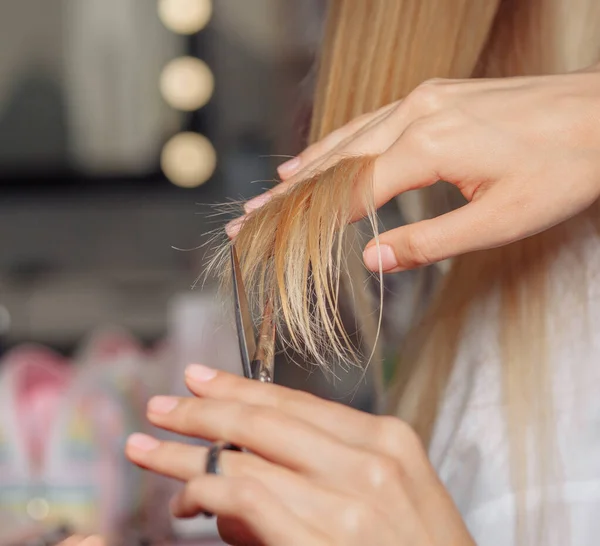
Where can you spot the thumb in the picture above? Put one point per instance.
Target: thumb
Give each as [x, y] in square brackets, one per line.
[472, 227]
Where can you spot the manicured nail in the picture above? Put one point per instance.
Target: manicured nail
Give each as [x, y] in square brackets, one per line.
[289, 166]
[388, 258]
[200, 373]
[257, 202]
[233, 227]
[162, 404]
[143, 442]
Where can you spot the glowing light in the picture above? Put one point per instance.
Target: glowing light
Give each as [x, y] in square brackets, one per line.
[187, 83]
[188, 160]
[185, 16]
[38, 509]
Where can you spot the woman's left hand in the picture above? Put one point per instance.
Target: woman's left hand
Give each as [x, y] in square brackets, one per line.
[319, 473]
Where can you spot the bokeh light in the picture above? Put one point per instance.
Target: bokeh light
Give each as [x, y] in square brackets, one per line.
[187, 83]
[188, 160]
[185, 16]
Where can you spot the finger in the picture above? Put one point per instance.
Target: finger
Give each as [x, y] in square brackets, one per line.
[342, 422]
[476, 226]
[294, 445]
[333, 140]
[351, 426]
[247, 501]
[389, 436]
[407, 139]
[270, 434]
[423, 103]
[302, 448]
[172, 459]
[357, 138]
[185, 462]
[426, 153]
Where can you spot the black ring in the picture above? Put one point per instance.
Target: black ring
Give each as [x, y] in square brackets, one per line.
[214, 452]
[212, 460]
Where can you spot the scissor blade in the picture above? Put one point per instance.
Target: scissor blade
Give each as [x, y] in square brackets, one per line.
[243, 318]
[263, 364]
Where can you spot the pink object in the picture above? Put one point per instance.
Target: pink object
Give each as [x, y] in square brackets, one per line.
[62, 430]
[109, 344]
[41, 379]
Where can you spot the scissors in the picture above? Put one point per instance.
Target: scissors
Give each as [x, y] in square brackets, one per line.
[257, 352]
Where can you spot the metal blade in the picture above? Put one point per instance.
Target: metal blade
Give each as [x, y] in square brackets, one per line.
[243, 318]
[263, 364]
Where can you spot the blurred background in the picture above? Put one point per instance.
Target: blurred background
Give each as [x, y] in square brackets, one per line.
[121, 123]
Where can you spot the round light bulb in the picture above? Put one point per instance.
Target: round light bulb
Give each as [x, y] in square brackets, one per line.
[185, 16]
[187, 83]
[188, 160]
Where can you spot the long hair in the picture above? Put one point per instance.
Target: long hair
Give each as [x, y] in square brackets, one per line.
[375, 52]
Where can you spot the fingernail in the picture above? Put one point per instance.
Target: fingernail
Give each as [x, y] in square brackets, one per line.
[289, 166]
[200, 373]
[143, 442]
[388, 257]
[162, 404]
[233, 227]
[257, 202]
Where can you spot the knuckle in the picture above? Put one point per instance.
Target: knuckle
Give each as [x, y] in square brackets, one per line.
[427, 97]
[254, 421]
[186, 411]
[247, 495]
[379, 471]
[162, 454]
[195, 487]
[355, 518]
[418, 252]
[230, 421]
[396, 436]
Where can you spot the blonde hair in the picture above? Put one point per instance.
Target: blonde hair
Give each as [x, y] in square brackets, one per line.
[375, 52]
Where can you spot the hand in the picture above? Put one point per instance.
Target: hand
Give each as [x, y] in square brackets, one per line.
[320, 473]
[524, 152]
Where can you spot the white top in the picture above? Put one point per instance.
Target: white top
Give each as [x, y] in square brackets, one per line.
[469, 446]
